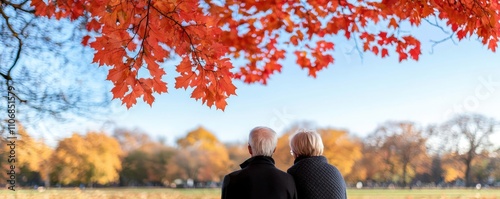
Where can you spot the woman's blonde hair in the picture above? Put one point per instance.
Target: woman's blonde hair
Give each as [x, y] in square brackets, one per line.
[306, 143]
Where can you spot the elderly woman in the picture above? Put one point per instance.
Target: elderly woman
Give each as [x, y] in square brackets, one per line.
[314, 177]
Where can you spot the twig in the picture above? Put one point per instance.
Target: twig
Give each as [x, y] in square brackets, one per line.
[435, 24]
[441, 41]
[18, 53]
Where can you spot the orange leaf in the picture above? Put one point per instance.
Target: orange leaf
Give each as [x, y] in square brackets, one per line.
[415, 53]
[94, 25]
[300, 34]
[187, 76]
[402, 56]
[85, 40]
[366, 46]
[159, 86]
[375, 50]
[130, 99]
[221, 103]
[119, 90]
[294, 40]
[118, 74]
[385, 52]
[198, 93]
[492, 44]
[148, 98]
[461, 34]
[393, 23]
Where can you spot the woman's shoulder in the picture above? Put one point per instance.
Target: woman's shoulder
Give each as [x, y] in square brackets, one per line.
[315, 160]
[305, 163]
[313, 163]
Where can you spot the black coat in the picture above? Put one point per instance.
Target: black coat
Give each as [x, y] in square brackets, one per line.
[258, 178]
[316, 179]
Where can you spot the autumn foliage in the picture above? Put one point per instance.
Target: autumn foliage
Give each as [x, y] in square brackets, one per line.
[93, 158]
[400, 153]
[143, 34]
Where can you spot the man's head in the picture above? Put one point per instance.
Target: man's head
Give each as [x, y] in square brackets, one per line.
[262, 141]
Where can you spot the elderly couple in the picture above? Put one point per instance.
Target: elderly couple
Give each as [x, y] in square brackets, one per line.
[311, 177]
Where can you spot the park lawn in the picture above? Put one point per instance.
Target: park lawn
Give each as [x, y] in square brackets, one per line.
[423, 194]
[159, 193]
[113, 193]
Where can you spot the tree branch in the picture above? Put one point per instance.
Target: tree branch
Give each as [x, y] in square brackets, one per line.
[434, 43]
[18, 6]
[20, 100]
[20, 42]
[435, 24]
[193, 48]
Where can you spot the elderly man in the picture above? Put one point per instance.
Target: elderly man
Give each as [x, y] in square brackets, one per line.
[258, 178]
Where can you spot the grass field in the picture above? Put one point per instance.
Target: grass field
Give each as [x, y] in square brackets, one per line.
[143, 193]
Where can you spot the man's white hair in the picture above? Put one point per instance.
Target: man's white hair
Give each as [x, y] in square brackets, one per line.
[263, 141]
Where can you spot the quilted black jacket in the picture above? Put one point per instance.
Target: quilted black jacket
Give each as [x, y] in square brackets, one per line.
[316, 179]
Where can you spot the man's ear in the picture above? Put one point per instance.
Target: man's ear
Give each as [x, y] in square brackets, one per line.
[250, 149]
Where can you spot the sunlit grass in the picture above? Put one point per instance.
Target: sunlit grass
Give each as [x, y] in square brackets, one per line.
[423, 194]
[113, 193]
[146, 193]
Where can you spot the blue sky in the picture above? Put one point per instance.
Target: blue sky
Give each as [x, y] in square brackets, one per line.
[351, 94]
[354, 93]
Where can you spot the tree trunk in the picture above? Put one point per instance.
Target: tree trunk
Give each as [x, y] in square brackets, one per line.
[46, 181]
[404, 175]
[468, 164]
[44, 174]
[467, 172]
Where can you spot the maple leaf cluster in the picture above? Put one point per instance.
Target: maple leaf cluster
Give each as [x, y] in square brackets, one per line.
[136, 34]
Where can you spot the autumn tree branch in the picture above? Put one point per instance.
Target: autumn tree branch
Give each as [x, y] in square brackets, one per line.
[17, 97]
[356, 47]
[7, 76]
[146, 31]
[18, 6]
[193, 47]
[435, 24]
[434, 43]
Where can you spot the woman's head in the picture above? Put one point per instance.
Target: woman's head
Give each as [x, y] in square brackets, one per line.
[306, 143]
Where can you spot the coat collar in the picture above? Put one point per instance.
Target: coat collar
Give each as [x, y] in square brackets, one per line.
[317, 158]
[258, 160]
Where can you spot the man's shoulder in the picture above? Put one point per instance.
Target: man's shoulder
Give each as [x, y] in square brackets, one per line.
[254, 169]
[234, 173]
[280, 172]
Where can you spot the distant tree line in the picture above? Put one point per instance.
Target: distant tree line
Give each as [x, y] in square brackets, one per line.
[458, 152]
